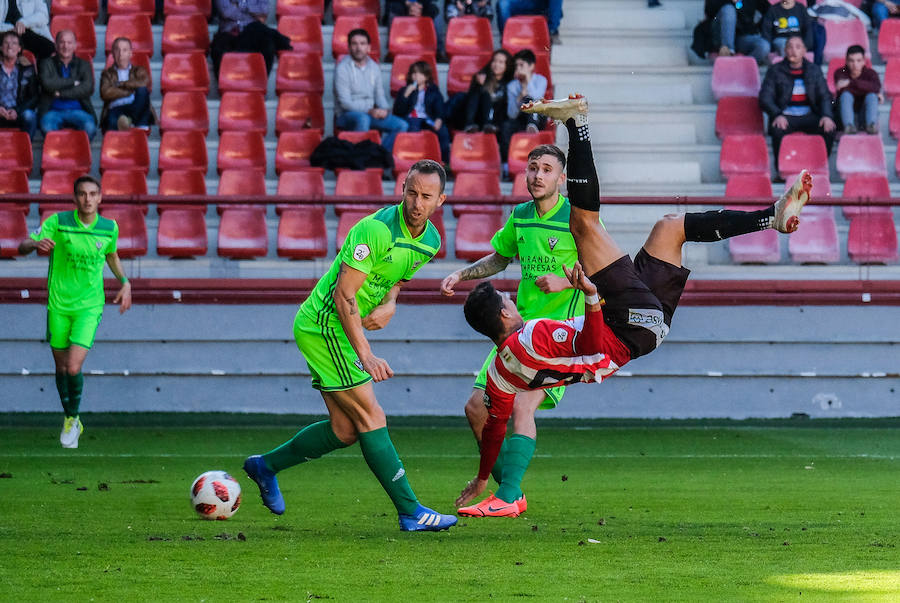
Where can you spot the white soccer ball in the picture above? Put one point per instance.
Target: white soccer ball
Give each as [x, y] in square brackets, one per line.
[215, 495]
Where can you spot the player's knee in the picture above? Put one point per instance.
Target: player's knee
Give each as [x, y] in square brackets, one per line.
[670, 226]
[475, 406]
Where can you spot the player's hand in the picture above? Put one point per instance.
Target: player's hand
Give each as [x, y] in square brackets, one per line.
[379, 317]
[377, 367]
[472, 491]
[551, 283]
[46, 245]
[448, 283]
[579, 280]
[124, 296]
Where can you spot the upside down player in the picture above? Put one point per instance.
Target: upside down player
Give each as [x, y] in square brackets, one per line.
[638, 297]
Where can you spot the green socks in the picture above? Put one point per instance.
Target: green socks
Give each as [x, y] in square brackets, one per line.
[310, 443]
[381, 456]
[62, 386]
[497, 471]
[519, 451]
[69, 388]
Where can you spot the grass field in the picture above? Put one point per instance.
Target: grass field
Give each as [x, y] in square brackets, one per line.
[643, 512]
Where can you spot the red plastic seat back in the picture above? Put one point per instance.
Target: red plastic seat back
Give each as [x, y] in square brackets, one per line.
[243, 72]
[183, 150]
[182, 182]
[136, 27]
[298, 72]
[244, 111]
[297, 111]
[305, 182]
[738, 115]
[300, 7]
[184, 111]
[127, 150]
[523, 143]
[68, 150]
[345, 24]
[241, 151]
[185, 33]
[410, 147]
[294, 149]
[184, 72]
[400, 68]
[187, 7]
[860, 154]
[412, 35]
[526, 32]
[744, 154]
[15, 150]
[241, 182]
[802, 151]
[749, 185]
[735, 76]
[124, 182]
[356, 7]
[305, 32]
[474, 152]
[461, 70]
[469, 35]
[840, 35]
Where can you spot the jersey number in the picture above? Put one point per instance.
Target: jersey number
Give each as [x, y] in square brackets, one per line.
[545, 377]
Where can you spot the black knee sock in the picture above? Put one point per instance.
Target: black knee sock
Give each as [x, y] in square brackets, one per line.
[582, 181]
[725, 223]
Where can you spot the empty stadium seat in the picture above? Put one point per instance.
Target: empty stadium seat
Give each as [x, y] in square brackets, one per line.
[297, 111]
[184, 111]
[461, 70]
[872, 239]
[542, 66]
[300, 7]
[738, 115]
[437, 218]
[68, 150]
[400, 68]
[305, 32]
[821, 187]
[761, 247]
[802, 151]
[124, 182]
[744, 154]
[473, 234]
[891, 84]
[520, 144]
[183, 150]
[13, 181]
[749, 185]
[298, 72]
[356, 7]
[16, 152]
[132, 240]
[243, 72]
[83, 27]
[58, 182]
[345, 24]
[187, 7]
[348, 220]
[474, 153]
[469, 35]
[125, 150]
[131, 7]
[351, 183]
[840, 35]
[735, 76]
[302, 233]
[182, 182]
[136, 27]
[184, 72]
[245, 111]
[76, 7]
[185, 33]
[181, 231]
[294, 149]
[889, 40]
[412, 35]
[483, 188]
[241, 182]
[303, 182]
[866, 186]
[410, 147]
[520, 187]
[241, 151]
[49, 208]
[357, 137]
[815, 242]
[13, 230]
[860, 154]
[526, 32]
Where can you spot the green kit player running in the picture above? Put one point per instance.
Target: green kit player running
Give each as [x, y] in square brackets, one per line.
[537, 232]
[360, 291]
[79, 242]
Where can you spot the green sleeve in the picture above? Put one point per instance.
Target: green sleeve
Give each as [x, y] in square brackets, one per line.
[113, 244]
[365, 245]
[47, 230]
[504, 240]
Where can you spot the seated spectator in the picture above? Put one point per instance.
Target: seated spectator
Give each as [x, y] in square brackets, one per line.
[858, 93]
[123, 89]
[67, 84]
[879, 10]
[242, 28]
[735, 27]
[31, 20]
[460, 8]
[412, 8]
[552, 9]
[18, 86]
[795, 96]
[485, 103]
[421, 104]
[525, 86]
[786, 19]
[360, 101]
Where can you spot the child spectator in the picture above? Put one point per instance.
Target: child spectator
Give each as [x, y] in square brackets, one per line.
[421, 104]
[786, 19]
[858, 91]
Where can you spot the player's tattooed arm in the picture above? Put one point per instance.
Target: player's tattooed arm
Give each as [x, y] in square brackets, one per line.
[349, 281]
[486, 266]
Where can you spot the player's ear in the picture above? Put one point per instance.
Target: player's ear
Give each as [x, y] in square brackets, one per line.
[441, 199]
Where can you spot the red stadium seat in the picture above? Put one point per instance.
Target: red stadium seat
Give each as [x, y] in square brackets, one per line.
[735, 76]
[483, 188]
[738, 115]
[300, 7]
[399, 181]
[352, 183]
[348, 220]
[240, 182]
[469, 35]
[866, 186]
[76, 7]
[15, 151]
[13, 229]
[840, 35]
[244, 111]
[437, 218]
[184, 72]
[243, 72]
[474, 153]
[132, 241]
[802, 151]
[347, 23]
[305, 32]
[526, 32]
[138, 59]
[356, 7]
[302, 233]
[520, 187]
[294, 149]
[298, 72]
[187, 7]
[473, 234]
[183, 150]
[182, 182]
[889, 40]
[303, 182]
[860, 154]
[131, 7]
[13, 181]
[181, 231]
[400, 68]
[299, 111]
[891, 83]
[83, 27]
[761, 247]
[815, 242]
[126, 150]
[521, 144]
[872, 239]
[59, 182]
[68, 150]
[542, 66]
[241, 151]
[410, 147]
[821, 188]
[357, 137]
[124, 182]
[412, 35]
[185, 33]
[833, 66]
[744, 154]
[749, 185]
[461, 70]
[135, 27]
[184, 111]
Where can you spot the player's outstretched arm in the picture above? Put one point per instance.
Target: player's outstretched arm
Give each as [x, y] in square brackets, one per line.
[381, 314]
[123, 297]
[349, 282]
[29, 245]
[489, 265]
[579, 280]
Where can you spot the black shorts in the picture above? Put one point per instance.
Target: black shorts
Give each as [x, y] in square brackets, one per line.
[641, 297]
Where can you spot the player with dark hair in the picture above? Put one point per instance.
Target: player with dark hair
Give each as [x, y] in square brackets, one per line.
[79, 242]
[359, 292]
[638, 297]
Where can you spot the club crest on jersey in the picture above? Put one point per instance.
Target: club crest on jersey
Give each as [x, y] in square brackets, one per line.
[361, 252]
[416, 264]
[560, 335]
[552, 241]
[99, 245]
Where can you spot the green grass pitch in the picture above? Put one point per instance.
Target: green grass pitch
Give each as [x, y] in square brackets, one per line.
[632, 512]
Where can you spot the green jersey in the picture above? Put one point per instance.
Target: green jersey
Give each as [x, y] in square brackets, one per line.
[543, 244]
[75, 275]
[381, 246]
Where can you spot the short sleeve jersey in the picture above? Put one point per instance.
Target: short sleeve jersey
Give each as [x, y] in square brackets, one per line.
[543, 244]
[381, 246]
[75, 275]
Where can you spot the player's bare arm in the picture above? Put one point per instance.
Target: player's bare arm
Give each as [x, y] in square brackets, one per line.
[348, 284]
[472, 491]
[489, 265]
[29, 245]
[552, 283]
[123, 297]
[381, 314]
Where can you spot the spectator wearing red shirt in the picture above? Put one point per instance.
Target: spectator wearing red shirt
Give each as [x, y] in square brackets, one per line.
[858, 93]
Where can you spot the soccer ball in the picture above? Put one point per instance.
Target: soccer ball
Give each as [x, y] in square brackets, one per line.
[215, 495]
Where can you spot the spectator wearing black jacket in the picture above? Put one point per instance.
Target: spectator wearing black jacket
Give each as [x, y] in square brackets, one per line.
[735, 27]
[795, 96]
[19, 89]
[786, 19]
[485, 104]
[421, 104]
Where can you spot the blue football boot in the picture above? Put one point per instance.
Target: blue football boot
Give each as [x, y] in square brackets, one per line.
[265, 478]
[427, 520]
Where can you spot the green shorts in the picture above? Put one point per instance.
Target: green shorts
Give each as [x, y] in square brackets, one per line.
[65, 328]
[552, 395]
[332, 361]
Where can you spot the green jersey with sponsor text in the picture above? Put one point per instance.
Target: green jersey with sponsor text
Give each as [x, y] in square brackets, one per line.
[381, 246]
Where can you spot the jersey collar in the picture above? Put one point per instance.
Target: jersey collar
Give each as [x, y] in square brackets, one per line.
[82, 224]
[405, 229]
[560, 201]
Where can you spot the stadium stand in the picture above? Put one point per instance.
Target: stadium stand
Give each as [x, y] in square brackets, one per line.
[184, 111]
[68, 150]
[76, 7]
[297, 111]
[294, 149]
[872, 239]
[520, 144]
[184, 72]
[82, 25]
[345, 24]
[134, 26]
[461, 70]
[185, 33]
[297, 72]
[412, 36]
[187, 7]
[243, 72]
[469, 35]
[183, 150]
[131, 7]
[529, 32]
[243, 111]
[474, 153]
[304, 31]
[735, 76]
[125, 182]
[802, 151]
[13, 229]
[744, 154]
[840, 35]
[738, 115]
[241, 151]
[400, 67]
[15, 151]
[300, 7]
[410, 147]
[132, 240]
[860, 154]
[14, 181]
[126, 150]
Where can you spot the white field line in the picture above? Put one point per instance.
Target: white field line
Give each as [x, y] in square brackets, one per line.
[350, 455]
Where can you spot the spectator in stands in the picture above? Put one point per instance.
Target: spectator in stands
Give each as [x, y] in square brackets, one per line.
[552, 9]
[421, 104]
[123, 89]
[526, 86]
[360, 100]
[477, 8]
[242, 28]
[18, 86]
[735, 27]
[786, 19]
[795, 96]
[67, 84]
[879, 10]
[858, 93]
[485, 102]
[31, 20]
[412, 8]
